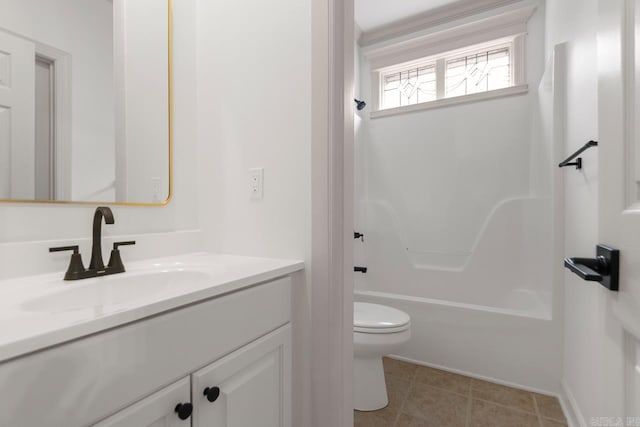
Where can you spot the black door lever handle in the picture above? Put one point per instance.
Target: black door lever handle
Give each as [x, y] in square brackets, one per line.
[604, 268]
[582, 269]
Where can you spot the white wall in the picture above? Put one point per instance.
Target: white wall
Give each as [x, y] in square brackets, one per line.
[254, 74]
[27, 230]
[586, 338]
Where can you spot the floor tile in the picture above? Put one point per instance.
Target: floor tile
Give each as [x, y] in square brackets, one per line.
[435, 406]
[398, 368]
[486, 414]
[549, 407]
[444, 380]
[425, 397]
[496, 393]
[409, 421]
[397, 390]
[371, 419]
[551, 423]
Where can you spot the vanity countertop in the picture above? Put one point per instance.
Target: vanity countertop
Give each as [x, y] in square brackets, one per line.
[37, 312]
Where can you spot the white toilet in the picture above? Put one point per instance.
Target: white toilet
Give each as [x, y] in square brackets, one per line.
[377, 331]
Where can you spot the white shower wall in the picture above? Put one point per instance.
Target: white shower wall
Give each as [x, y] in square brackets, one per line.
[457, 208]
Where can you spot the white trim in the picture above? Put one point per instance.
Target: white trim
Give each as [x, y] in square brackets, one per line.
[440, 82]
[508, 28]
[448, 102]
[120, 84]
[357, 32]
[518, 63]
[63, 116]
[429, 19]
[501, 26]
[572, 410]
[332, 173]
[472, 375]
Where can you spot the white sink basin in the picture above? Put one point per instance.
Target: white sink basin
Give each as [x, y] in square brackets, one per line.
[37, 312]
[125, 288]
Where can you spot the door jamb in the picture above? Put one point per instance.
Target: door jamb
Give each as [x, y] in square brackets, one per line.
[332, 213]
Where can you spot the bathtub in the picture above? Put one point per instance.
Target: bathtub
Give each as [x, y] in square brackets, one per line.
[515, 346]
[488, 313]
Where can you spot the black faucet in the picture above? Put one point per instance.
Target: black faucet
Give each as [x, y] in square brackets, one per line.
[96, 262]
[76, 270]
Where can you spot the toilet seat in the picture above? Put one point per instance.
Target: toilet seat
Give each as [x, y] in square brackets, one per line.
[378, 319]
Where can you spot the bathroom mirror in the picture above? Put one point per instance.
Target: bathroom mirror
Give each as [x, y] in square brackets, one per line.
[85, 101]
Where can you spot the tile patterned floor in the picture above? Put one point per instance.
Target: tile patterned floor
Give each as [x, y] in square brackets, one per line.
[426, 397]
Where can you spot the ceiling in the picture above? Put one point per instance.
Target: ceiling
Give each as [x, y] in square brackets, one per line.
[372, 14]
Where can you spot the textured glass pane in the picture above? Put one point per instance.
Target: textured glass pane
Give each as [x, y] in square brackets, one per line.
[409, 87]
[479, 72]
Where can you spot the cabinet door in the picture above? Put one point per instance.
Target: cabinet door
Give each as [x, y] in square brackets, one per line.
[254, 386]
[157, 410]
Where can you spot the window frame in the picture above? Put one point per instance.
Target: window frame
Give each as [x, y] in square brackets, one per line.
[506, 28]
[439, 64]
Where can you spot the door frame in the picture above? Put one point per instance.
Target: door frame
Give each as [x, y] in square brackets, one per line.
[62, 121]
[332, 206]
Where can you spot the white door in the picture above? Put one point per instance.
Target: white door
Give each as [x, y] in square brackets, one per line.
[170, 407]
[250, 387]
[17, 117]
[619, 195]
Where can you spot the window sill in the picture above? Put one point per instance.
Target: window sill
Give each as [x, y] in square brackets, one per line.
[448, 102]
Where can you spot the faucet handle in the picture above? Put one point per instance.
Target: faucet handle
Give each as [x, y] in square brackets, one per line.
[74, 248]
[116, 245]
[76, 266]
[115, 260]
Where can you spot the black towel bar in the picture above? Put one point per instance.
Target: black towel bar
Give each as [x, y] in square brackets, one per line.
[578, 162]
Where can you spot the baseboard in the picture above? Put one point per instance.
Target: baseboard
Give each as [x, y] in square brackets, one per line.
[571, 408]
[568, 409]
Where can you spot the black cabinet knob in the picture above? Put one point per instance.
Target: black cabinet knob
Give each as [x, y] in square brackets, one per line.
[184, 410]
[212, 393]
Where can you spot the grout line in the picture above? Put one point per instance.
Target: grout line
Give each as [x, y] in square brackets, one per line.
[469, 405]
[401, 406]
[469, 394]
[404, 400]
[502, 405]
[535, 405]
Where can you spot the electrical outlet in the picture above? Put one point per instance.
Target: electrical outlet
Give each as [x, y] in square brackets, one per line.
[256, 183]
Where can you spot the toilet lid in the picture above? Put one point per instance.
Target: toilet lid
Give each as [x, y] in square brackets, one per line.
[369, 317]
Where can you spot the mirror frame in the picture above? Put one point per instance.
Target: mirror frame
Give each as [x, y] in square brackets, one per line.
[170, 118]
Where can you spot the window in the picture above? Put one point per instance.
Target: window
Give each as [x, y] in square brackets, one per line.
[409, 87]
[478, 72]
[482, 68]
[422, 64]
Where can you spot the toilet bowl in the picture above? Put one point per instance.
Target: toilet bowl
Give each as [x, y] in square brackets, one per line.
[378, 330]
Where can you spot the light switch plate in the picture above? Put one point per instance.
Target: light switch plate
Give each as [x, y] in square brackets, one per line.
[256, 183]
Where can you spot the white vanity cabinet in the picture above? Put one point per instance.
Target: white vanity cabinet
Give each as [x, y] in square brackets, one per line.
[157, 410]
[135, 374]
[250, 387]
